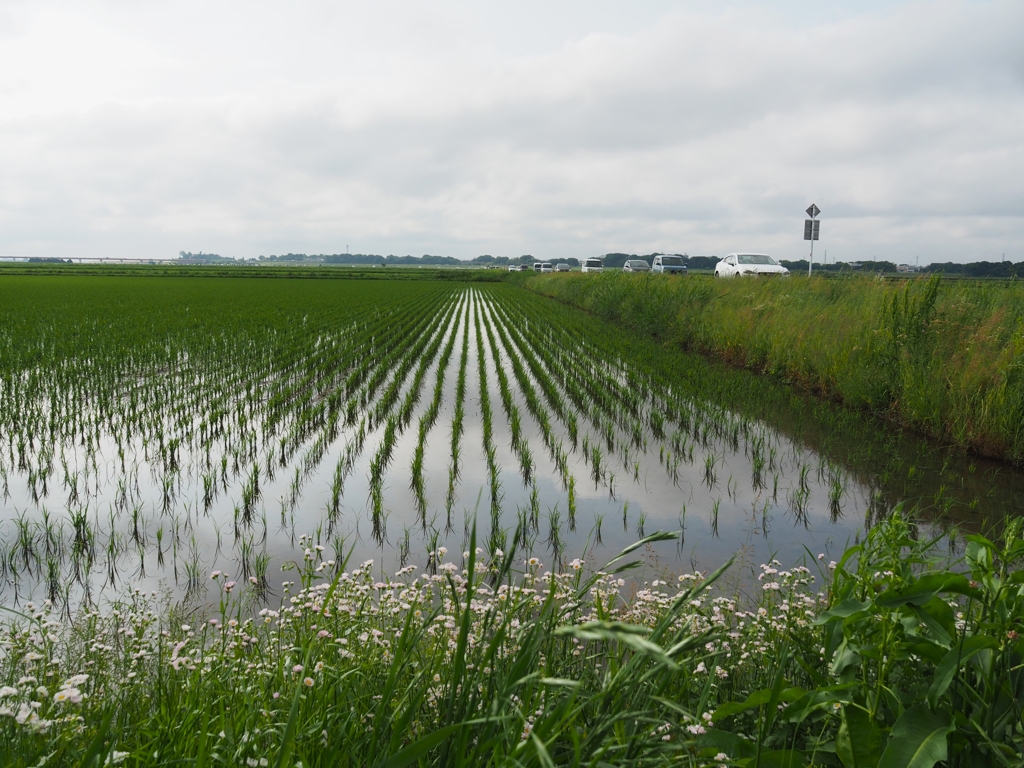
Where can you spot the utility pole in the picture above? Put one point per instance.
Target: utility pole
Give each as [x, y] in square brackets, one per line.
[811, 228]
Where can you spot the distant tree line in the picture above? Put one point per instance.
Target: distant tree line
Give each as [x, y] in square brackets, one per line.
[425, 259]
[979, 269]
[800, 265]
[363, 259]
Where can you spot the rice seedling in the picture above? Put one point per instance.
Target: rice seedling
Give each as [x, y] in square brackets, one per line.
[710, 473]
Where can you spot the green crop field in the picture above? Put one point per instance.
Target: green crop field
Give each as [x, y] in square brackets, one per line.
[418, 496]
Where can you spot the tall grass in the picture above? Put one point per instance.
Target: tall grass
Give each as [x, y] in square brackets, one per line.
[946, 358]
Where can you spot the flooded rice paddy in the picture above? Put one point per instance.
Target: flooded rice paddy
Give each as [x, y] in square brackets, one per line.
[153, 431]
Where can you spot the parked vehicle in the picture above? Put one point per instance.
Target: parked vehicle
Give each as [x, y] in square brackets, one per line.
[749, 264]
[669, 265]
[592, 265]
[636, 265]
[524, 268]
[542, 266]
[514, 267]
[562, 267]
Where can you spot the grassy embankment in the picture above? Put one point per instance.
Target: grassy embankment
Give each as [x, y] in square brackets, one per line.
[945, 358]
[897, 661]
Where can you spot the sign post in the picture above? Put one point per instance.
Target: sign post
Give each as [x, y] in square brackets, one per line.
[811, 229]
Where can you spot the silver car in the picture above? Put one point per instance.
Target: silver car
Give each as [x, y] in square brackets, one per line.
[592, 265]
[669, 265]
[636, 265]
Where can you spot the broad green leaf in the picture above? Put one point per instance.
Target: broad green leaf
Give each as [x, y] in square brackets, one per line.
[956, 657]
[715, 740]
[918, 739]
[756, 699]
[935, 618]
[860, 740]
[979, 553]
[781, 758]
[842, 610]
[929, 650]
[923, 589]
[812, 701]
[847, 655]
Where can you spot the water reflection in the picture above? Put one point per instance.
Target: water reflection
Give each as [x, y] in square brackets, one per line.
[488, 405]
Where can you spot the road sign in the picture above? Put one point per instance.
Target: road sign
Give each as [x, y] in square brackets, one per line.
[811, 229]
[813, 211]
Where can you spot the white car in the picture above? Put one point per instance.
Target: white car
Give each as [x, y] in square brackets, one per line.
[636, 265]
[592, 265]
[513, 267]
[749, 264]
[542, 266]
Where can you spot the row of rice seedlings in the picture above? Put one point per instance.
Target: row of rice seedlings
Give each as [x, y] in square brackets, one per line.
[422, 334]
[171, 453]
[429, 417]
[414, 354]
[663, 404]
[595, 458]
[64, 553]
[540, 414]
[170, 449]
[496, 537]
[519, 444]
[395, 422]
[605, 423]
[657, 423]
[455, 467]
[552, 394]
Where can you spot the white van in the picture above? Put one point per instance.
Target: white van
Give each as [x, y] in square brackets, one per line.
[542, 266]
[593, 265]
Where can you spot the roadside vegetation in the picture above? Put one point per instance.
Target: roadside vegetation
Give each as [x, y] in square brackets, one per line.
[942, 357]
[890, 657]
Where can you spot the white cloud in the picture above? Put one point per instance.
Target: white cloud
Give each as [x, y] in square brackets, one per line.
[140, 130]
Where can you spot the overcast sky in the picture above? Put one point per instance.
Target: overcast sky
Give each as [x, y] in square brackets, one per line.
[140, 129]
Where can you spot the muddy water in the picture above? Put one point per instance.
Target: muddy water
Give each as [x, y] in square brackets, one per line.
[787, 479]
